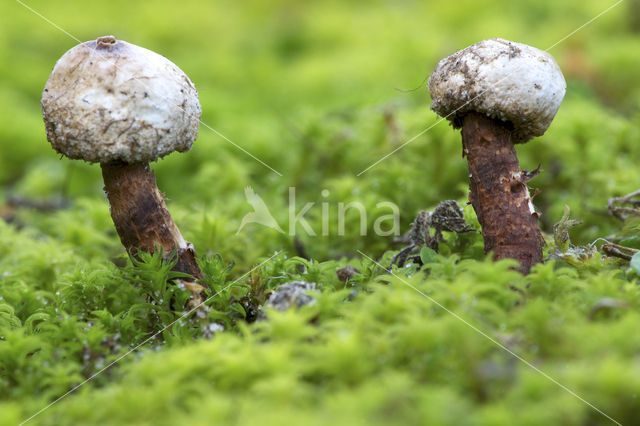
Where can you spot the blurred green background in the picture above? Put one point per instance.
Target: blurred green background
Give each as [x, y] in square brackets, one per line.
[319, 91]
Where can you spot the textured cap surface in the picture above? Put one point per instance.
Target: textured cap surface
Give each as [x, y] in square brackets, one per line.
[505, 80]
[108, 100]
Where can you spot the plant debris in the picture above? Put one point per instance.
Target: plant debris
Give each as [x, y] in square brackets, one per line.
[346, 273]
[447, 216]
[563, 249]
[619, 206]
[292, 294]
[561, 231]
[616, 250]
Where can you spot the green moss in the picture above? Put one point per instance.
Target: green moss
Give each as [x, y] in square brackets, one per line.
[310, 90]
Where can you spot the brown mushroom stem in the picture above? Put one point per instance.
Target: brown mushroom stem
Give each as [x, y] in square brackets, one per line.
[141, 216]
[499, 192]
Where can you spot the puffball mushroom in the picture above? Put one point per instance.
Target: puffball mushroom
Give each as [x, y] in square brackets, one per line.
[111, 102]
[501, 93]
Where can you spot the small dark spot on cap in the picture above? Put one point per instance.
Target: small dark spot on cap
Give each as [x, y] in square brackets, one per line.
[146, 95]
[106, 41]
[46, 90]
[109, 90]
[181, 90]
[537, 86]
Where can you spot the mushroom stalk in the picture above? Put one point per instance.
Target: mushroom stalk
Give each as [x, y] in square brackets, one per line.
[141, 217]
[499, 192]
[114, 103]
[501, 93]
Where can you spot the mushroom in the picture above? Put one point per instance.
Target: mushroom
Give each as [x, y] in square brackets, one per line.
[111, 102]
[501, 93]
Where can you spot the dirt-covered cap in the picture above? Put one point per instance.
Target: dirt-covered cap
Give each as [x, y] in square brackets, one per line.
[505, 80]
[108, 100]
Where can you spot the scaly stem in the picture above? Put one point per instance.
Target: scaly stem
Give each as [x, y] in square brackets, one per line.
[499, 192]
[141, 217]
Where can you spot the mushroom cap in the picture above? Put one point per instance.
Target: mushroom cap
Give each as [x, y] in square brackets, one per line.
[508, 81]
[108, 100]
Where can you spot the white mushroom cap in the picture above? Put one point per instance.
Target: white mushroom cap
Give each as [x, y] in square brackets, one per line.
[109, 100]
[509, 81]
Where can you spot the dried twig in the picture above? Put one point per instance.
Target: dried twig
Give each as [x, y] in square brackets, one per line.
[617, 250]
[617, 209]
